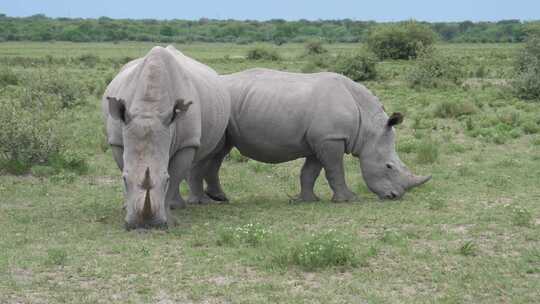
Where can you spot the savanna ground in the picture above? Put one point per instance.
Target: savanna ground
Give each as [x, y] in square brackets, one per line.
[471, 235]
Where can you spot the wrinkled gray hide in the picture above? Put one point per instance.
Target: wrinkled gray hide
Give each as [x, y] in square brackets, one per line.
[278, 116]
[163, 113]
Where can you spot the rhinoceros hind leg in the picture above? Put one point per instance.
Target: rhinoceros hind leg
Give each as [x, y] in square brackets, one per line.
[179, 167]
[309, 174]
[213, 189]
[196, 184]
[330, 153]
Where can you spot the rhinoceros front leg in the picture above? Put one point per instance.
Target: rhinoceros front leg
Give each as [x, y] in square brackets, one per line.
[309, 174]
[118, 155]
[179, 167]
[330, 154]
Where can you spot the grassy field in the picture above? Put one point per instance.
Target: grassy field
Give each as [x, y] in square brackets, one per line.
[471, 235]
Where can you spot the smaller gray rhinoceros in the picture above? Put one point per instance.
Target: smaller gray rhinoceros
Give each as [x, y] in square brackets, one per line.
[163, 113]
[279, 116]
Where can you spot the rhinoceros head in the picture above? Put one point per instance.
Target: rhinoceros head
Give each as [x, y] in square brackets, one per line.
[384, 173]
[147, 137]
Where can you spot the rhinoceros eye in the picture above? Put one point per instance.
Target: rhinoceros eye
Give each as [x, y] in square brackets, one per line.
[389, 166]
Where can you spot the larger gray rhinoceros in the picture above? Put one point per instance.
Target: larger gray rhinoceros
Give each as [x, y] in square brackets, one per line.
[279, 116]
[163, 113]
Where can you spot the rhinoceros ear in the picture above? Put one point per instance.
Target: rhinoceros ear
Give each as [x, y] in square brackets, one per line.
[117, 109]
[180, 108]
[395, 119]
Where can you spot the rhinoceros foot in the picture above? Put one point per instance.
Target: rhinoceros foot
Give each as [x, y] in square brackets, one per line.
[304, 197]
[177, 204]
[202, 199]
[220, 197]
[344, 197]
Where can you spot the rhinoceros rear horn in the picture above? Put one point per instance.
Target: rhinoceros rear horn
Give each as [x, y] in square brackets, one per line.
[416, 181]
[147, 181]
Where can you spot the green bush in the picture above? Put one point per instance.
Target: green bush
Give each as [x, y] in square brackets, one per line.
[315, 47]
[67, 90]
[8, 77]
[317, 63]
[359, 67]
[28, 135]
[261, 53]
[400, 41]
[530, 127]
[527, 71]
[434, 70]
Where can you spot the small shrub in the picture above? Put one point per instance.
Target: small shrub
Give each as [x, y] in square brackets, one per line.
[89, 60]
[66, 89]
[392, 237]
[435, 70]
[236, 156]
[42, 171]
[530, 127]
[8, 77]
[521, 217]
[427, 152]
[453, 109]
[359, 67]
[252, 234]
[480, 72]
[28, 135]
[315, 48]
[324, 250]
[400, 41]
[407, 147]
[309, 67]
[527, 70]
[71, 160]
[261, 53]
[56, 256]
[317, 63]
[468, 249]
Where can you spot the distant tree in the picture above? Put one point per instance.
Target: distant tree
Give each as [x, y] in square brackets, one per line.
[400, 41]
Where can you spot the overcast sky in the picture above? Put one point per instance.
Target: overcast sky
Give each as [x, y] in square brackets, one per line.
[379, 10]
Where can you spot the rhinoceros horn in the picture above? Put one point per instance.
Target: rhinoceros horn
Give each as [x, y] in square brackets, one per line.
[147, 184]
[416, 180]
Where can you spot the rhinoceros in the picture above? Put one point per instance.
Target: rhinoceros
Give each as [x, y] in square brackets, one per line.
[280, 116]
[163, 113]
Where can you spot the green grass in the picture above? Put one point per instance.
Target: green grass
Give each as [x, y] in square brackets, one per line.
[470, 235]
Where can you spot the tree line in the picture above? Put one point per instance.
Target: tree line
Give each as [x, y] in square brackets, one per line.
[42, 28]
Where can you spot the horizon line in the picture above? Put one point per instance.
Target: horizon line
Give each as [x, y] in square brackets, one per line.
[270, 20]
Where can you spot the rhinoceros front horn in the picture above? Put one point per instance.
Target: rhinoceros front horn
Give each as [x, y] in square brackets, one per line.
[416, 180]
[147, 208]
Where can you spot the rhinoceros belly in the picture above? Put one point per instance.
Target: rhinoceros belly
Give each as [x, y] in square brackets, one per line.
[271, 132]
